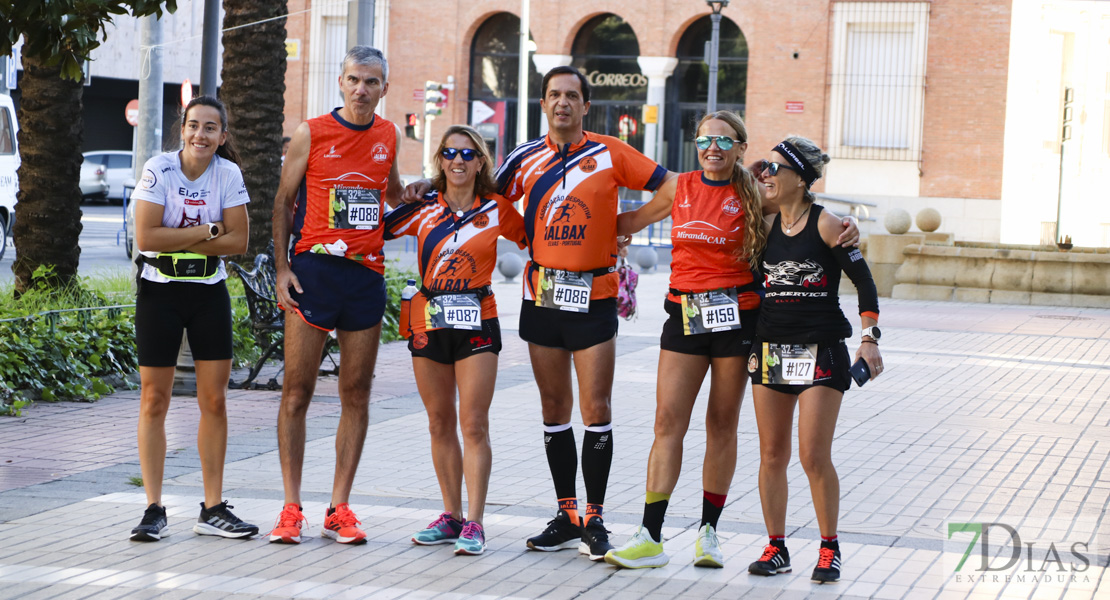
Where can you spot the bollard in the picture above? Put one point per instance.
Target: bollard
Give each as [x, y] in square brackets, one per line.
[647, 258]
[510, 265]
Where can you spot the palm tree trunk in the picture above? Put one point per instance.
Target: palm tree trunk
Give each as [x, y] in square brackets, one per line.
[254, 91]
[48, 212]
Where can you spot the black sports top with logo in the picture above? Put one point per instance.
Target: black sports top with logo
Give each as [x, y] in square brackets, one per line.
[801, 275]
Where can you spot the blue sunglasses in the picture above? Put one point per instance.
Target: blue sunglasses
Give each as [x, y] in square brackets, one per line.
[467, 153]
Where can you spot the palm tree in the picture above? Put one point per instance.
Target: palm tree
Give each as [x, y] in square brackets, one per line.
[58, 36]
[254, 91]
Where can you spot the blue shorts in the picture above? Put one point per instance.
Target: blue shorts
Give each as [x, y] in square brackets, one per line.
[339, 293]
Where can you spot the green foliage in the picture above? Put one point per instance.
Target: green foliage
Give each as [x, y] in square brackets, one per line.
[65, 354]
[247, 346]
[135, 480]
[64, 32]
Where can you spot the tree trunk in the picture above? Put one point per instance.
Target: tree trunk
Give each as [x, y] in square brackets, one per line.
[254, 91]
[48, 212]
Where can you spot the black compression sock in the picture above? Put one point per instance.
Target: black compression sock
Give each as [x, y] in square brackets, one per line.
[597, 457]
[562, 458]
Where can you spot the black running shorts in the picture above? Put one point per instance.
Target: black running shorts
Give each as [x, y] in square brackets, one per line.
[832, 369]
[568, 330]
[164, 310]
[339, 293]
[448, 346]
[735, 342]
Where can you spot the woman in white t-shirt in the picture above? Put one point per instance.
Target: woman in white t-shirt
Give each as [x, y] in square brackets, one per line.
[190, 209]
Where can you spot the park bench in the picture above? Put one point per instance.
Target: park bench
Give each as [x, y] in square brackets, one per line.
[268, 320]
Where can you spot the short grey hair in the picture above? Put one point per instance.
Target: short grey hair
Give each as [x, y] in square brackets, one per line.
[365, 55]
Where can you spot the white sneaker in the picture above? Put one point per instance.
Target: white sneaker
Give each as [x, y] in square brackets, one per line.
[707, 550]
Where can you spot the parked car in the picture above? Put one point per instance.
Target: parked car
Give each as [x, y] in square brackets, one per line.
[94, 183]
[9, 164]
[118, 168]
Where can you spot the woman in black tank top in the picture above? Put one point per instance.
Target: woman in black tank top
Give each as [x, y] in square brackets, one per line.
[799, 356]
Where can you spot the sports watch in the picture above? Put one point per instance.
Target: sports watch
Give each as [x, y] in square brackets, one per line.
[872, 332]
[213, 231]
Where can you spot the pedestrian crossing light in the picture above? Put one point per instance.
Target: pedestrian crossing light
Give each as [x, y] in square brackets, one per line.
[435, 98]
[412, 126]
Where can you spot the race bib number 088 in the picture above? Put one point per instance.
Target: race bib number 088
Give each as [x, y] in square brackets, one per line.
[354, 208]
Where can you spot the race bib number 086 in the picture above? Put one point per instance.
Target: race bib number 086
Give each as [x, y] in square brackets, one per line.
[565, 290]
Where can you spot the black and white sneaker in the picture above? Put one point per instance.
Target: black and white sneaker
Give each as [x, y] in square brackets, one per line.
[218, 520]
[775, 560]
[561, 534]
[828, 565]
[152, 527]
[595, 539]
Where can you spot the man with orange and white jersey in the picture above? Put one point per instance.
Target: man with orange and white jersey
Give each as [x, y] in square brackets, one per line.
[567, 182]
[339, 169]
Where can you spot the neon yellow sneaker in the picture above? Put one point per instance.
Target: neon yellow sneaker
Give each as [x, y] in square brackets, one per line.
[707, 550]
[639, 552]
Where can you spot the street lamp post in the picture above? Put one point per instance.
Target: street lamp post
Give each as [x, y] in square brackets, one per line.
[714, 45]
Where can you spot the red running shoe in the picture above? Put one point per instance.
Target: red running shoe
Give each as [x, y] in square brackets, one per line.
[342, 526]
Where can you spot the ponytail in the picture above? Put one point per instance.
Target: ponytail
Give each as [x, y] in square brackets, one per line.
[755, 238]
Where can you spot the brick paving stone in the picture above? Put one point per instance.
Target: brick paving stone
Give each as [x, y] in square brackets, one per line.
[986, 413]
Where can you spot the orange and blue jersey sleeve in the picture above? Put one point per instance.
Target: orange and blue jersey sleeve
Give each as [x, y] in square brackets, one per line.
[510, 178]
[633, 169]
[511, 222]
[402, 221]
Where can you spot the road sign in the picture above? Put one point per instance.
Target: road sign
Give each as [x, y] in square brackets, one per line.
[795, 107]
[480, 111]
[132, 113]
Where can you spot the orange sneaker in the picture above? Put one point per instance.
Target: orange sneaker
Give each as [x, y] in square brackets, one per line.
[287, 530]
[342, 526]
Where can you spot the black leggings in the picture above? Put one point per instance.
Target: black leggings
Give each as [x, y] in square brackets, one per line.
[164, 310]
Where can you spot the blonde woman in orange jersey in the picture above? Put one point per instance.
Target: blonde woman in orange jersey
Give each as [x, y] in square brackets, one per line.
[454, 335]
[712, 306]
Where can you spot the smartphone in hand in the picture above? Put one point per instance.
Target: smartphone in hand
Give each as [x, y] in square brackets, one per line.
[861, 372]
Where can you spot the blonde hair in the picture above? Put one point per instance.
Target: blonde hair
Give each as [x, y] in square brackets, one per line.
[747, 188]
[484, 185]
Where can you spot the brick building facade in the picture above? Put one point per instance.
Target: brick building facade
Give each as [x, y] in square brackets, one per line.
[908, 97]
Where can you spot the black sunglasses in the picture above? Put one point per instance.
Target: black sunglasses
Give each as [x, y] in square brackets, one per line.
[467, 154]
[772, 168]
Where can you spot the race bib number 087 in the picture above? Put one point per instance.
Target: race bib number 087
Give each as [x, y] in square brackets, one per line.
[454, 311]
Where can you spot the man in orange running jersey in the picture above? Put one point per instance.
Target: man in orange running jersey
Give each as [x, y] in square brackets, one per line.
[567, 182]
[339, 169]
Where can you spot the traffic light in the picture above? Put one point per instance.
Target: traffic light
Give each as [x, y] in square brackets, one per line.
[435, 97]
[412, 126]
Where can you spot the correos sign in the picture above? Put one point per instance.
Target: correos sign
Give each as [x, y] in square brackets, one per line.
[599, 79]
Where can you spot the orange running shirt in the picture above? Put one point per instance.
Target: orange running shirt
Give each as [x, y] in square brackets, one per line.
[570, 202]
[455, 253]
[346, 164]
[707, 235]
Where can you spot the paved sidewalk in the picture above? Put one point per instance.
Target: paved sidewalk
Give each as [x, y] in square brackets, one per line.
[995, 417]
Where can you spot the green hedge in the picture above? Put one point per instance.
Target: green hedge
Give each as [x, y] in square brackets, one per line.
[54, 348]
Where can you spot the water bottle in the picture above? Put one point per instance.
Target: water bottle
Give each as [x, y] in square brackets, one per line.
[403, 327]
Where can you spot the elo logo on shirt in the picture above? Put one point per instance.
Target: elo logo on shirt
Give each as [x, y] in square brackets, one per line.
[379, 153]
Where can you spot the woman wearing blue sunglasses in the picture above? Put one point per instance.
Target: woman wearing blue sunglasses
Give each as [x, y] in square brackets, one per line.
[717, 234]
[453, 332]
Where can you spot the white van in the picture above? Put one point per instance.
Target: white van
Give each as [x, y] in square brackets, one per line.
[9, 163]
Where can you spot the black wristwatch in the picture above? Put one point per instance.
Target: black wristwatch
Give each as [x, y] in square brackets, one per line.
[213, 231]
[872, 332]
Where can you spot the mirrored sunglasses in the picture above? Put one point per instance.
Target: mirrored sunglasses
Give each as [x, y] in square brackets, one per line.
[723, 142]
[467, 153]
